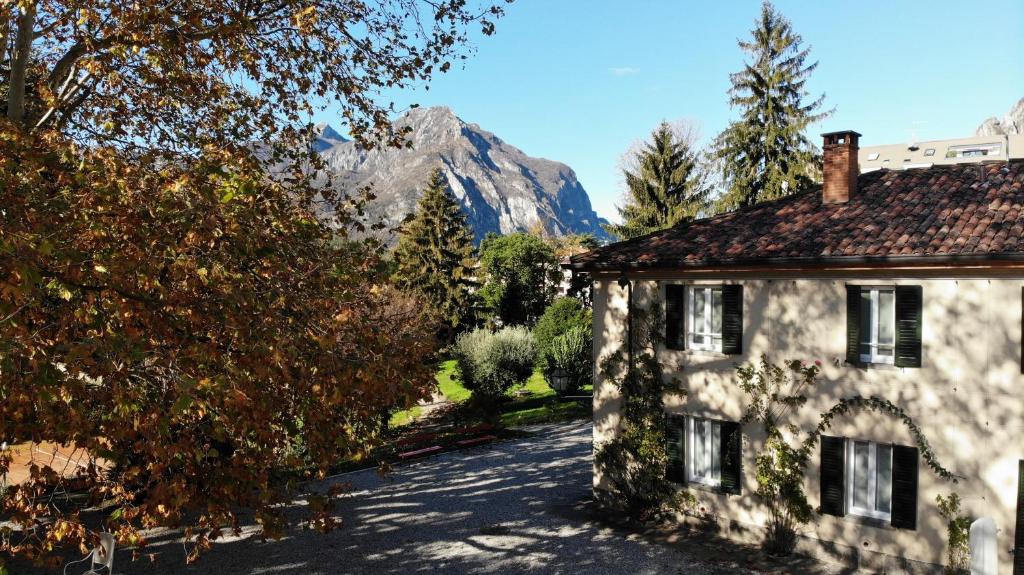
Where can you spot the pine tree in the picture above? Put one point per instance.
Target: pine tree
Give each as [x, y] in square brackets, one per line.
[765, 154]
[665, 185]
[436, 259]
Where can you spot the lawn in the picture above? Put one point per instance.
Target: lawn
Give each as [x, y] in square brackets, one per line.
[532, 402]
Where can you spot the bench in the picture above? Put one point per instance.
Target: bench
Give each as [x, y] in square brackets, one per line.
[420, 452]
[476, 440]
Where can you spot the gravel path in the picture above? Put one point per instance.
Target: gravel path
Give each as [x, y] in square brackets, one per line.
[520, 506]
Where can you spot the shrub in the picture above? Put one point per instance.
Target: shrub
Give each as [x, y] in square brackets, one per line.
[958, 554]
[561, 316]
[573, 353]
[489, 364]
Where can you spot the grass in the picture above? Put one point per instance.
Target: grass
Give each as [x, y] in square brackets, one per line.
[450, 387]
[532, 402]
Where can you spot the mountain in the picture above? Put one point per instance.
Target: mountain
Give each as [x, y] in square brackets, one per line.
[1012, 122]
[500, 188]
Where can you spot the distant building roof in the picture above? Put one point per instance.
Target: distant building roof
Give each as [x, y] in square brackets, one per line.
[945, 214]
[974, 149]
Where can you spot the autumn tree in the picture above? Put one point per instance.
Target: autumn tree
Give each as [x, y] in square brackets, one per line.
[178, 295]
[665, 183]
[520, 275]
[765, 154]
[436, 258]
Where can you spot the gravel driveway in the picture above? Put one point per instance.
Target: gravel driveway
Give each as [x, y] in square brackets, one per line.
[518, 506]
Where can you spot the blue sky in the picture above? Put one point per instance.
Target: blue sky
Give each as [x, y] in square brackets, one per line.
[579, 81]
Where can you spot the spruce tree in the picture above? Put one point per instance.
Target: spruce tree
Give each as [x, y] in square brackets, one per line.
[765, 154]
[436, 259]
[664, 185]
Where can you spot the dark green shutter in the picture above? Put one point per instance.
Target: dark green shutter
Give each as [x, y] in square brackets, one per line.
[853, 325]
[908, 326]
[732, 319]
[1018, 534]
[833, 468]
[731, 445]
[675, 447]
[904, 487]
[675, 295]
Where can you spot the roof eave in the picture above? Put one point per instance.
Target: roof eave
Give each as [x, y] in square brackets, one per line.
[946, 260]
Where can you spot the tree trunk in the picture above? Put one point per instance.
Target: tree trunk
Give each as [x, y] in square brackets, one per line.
[19, 65]
[5, 35]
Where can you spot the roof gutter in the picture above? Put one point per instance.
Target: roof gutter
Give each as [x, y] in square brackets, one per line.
[952, 260]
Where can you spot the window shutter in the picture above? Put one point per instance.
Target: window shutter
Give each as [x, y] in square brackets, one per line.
[908, 326]
[732, 319]
[833, 468]
[731, 445]
[1018, 534]
[675, 295]
[853, 325]
[904, 487]
[675, 447]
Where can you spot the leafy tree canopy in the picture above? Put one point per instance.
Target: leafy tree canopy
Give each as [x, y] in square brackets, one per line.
[520, 274]
[198, 327]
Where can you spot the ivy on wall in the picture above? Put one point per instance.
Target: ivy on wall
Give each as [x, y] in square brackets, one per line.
[772, 391]
[634, 462]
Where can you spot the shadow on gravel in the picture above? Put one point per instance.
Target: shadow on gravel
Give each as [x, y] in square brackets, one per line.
[518, 506]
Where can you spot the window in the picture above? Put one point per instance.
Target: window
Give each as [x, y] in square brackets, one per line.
[929, 152]
[974, 150]
[705, 325]
[872, 156]
[877, 325]
[706, 452]
[869, 488]
[705, 441]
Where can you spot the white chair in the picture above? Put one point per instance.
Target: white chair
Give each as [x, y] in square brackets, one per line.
[102, 557]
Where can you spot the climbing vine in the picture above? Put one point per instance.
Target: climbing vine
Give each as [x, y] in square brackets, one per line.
[634, 462]
[771, 391]
[958, 526]
[884, 406]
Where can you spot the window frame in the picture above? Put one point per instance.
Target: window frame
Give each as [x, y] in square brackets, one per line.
[708, 343]
[872, 342]
[713, 428]
[850, 476]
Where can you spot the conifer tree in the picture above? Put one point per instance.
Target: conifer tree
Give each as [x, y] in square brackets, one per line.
[765, 154]
[665, 185]
[435, 257]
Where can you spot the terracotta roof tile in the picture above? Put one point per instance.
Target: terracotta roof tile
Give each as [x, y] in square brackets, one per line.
[966, 210]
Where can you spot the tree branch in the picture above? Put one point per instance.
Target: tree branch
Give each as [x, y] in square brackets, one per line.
[19, 64]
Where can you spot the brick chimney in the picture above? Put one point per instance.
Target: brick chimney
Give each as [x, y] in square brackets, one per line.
[841, 169]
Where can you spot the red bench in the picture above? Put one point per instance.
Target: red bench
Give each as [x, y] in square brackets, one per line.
[476, 440]
[418, 438]
[479, 428]
[420, 452]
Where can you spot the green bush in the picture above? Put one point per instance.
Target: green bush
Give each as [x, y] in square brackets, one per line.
[573, 353]
[489, 364]
[561, 316]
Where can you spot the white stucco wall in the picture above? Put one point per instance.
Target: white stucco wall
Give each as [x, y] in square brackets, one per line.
[966, 397]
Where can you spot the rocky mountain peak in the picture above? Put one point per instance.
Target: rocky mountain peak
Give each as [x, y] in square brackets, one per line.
[326, 137]
[500, 188]
[1011, 123]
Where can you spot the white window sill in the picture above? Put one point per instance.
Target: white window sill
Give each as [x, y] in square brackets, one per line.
[879, 366]
[704, 353]
[852, 517]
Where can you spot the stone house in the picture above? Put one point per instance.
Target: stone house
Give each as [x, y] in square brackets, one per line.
[907, 284]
